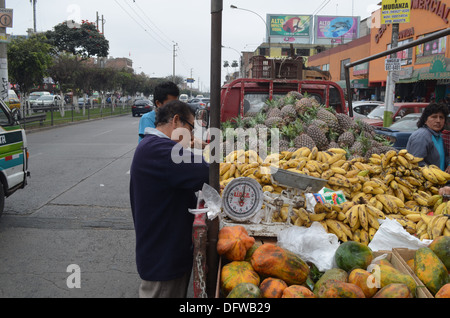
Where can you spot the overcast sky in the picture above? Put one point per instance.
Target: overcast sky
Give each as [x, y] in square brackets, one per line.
[146, 30]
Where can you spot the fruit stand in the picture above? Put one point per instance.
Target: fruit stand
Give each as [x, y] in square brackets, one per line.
[366, 182]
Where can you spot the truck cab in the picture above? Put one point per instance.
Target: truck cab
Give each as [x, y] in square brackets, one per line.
[13, 154]
[250, 94]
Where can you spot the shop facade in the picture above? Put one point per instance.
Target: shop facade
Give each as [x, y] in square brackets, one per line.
[425, 73]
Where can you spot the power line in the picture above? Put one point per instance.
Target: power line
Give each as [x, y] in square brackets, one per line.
[146, 31]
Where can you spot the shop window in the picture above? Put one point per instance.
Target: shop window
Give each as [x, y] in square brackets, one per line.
[303, 52]
[343, 62]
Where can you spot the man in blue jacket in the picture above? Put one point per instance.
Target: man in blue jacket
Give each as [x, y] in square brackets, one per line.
[162, 189]
[164, 93]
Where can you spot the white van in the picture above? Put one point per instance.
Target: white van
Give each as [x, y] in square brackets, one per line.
[184, 98]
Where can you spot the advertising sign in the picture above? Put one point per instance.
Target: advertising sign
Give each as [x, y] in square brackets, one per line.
[395, 11]
[289, 28]
[333, 27]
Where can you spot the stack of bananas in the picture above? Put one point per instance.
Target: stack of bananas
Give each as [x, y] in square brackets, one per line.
[391, 185]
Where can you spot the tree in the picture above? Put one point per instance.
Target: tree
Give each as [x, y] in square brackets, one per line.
[82, 40]
[29, 61]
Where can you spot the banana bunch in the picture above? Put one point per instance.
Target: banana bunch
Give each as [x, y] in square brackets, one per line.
[432, 226]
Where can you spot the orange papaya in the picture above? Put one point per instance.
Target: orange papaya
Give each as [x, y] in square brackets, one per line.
[336, 289]
[430, 269]
[235, 273]
[394, 290]
[389, 275]
[360, 277]
[233, 242]
[245, 290]
[270, 260]
[272, 287]
[297, 291]
[441, 247]
[444, 292]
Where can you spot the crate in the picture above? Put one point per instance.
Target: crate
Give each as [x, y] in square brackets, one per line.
[404, 255]
[264, 68]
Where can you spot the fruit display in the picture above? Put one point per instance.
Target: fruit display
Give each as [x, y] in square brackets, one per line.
[390, 185]
[275, 272]
[234, 242]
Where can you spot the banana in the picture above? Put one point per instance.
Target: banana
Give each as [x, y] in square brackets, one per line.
[399, 194]
[404, 183]
[403, 162]
[413, 181]
[337, 151]
[407, 192]
[433, 199]
[388, 178]
[447, 224]
[353, 215]
[372, 232]
[389, 205]
[438, 173]
[357, 235]
[340, 164]
[224, 167]
[365, 237]
[338, 170]
[314, 217]
[419, 199]
[346, 206]
[415, 217]
[337, 229]
[429, 175]
[335, 158]
[362, 214]
[387, 157]
[373, 221]
[438, 226]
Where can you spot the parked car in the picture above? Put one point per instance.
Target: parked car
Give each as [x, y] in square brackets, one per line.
[13, 99]
[141, 106]
[35, 95]
[46, 102]
[198, 103]
[81, 101]
[184, 98]
[362, 108]
[400, 131]
[375, 117]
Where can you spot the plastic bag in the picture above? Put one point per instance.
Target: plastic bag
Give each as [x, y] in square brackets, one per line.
[312, 244]
[213, 202]
[391, 234]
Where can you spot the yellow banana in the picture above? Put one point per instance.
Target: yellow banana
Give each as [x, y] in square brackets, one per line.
[317, 217]
[429, 175]
[440, 175]
[438, 226]
[373, 221]
[362, 214]
[353, 215]
[387, 157]
[419, 199]
[338, 170]
[372, 232]
[440, 208]
[403, 162]
[336, 229]
[415, 217]
[337, 151]
[224, 167]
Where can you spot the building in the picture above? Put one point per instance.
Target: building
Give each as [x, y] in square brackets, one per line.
[425, 69]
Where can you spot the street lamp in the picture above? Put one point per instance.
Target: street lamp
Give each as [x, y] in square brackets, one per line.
[265, 23]
[240, 57]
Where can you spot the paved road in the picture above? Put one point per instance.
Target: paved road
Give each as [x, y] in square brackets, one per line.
[74, 216]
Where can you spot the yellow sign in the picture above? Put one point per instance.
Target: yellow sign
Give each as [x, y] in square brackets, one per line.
[395, 11]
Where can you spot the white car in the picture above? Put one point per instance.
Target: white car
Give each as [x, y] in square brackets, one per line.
[46, 102]
[184, 98]
[362, 108]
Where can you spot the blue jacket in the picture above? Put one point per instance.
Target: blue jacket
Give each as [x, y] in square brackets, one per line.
[147, 120]
[161, 191]
[421, 144]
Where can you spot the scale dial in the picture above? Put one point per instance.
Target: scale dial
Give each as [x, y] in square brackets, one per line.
[242, 199]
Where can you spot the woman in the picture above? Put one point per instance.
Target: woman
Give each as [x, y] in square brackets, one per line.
[427, 141]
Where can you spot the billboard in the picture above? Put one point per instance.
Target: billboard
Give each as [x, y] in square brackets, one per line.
[289, 28]
[336, 28]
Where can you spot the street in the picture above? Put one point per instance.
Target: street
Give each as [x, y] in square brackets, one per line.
[69, 233]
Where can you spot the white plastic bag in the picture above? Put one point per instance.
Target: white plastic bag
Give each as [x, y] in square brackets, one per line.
[312, 244]
[391, 234]
[213, 202]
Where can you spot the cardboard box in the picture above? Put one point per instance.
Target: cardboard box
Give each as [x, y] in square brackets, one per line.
[403, 255]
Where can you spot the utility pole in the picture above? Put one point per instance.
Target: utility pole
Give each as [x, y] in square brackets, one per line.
[174, 56]
[34, 15]
[103, 23]
[389, 97]
[3, 63]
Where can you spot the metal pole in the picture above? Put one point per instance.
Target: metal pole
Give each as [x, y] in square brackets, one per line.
[389, 97]
[4, 63]
[216, 67]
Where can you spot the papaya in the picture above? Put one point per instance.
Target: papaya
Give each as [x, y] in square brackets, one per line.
[336, 289]
[272, 287]
[360, 277]
[333, 273]
[389, 275]
[298, 291]
[270, 260]
[245, 290]
[350, 255]
[410, 263]
[250, 251]
[444, 292]
[394, 290]
[233, 242]
[235, 273]
[441, 247]
[430, 269]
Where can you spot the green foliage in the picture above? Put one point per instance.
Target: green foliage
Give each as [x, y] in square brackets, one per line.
[29, 61]
[82, 40]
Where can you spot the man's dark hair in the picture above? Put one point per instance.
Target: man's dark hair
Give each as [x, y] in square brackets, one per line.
[431, 109]
[175, 107]
[163, 90]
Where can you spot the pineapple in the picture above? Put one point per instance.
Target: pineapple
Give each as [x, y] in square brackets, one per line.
[346, 139]
[302, 105]
[288, 111]
[320, 139]
[328, 117]
[345, 122]
[321, 124]
[272, 122]
[295, 94]
[274, 112]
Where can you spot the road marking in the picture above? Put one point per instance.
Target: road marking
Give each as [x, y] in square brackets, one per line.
[103, 133]
[37, 154]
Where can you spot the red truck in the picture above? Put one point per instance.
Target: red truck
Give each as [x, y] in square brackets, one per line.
[250, 94]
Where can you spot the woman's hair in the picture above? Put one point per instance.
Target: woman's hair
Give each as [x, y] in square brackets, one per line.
[175, 107]
[431, 109]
